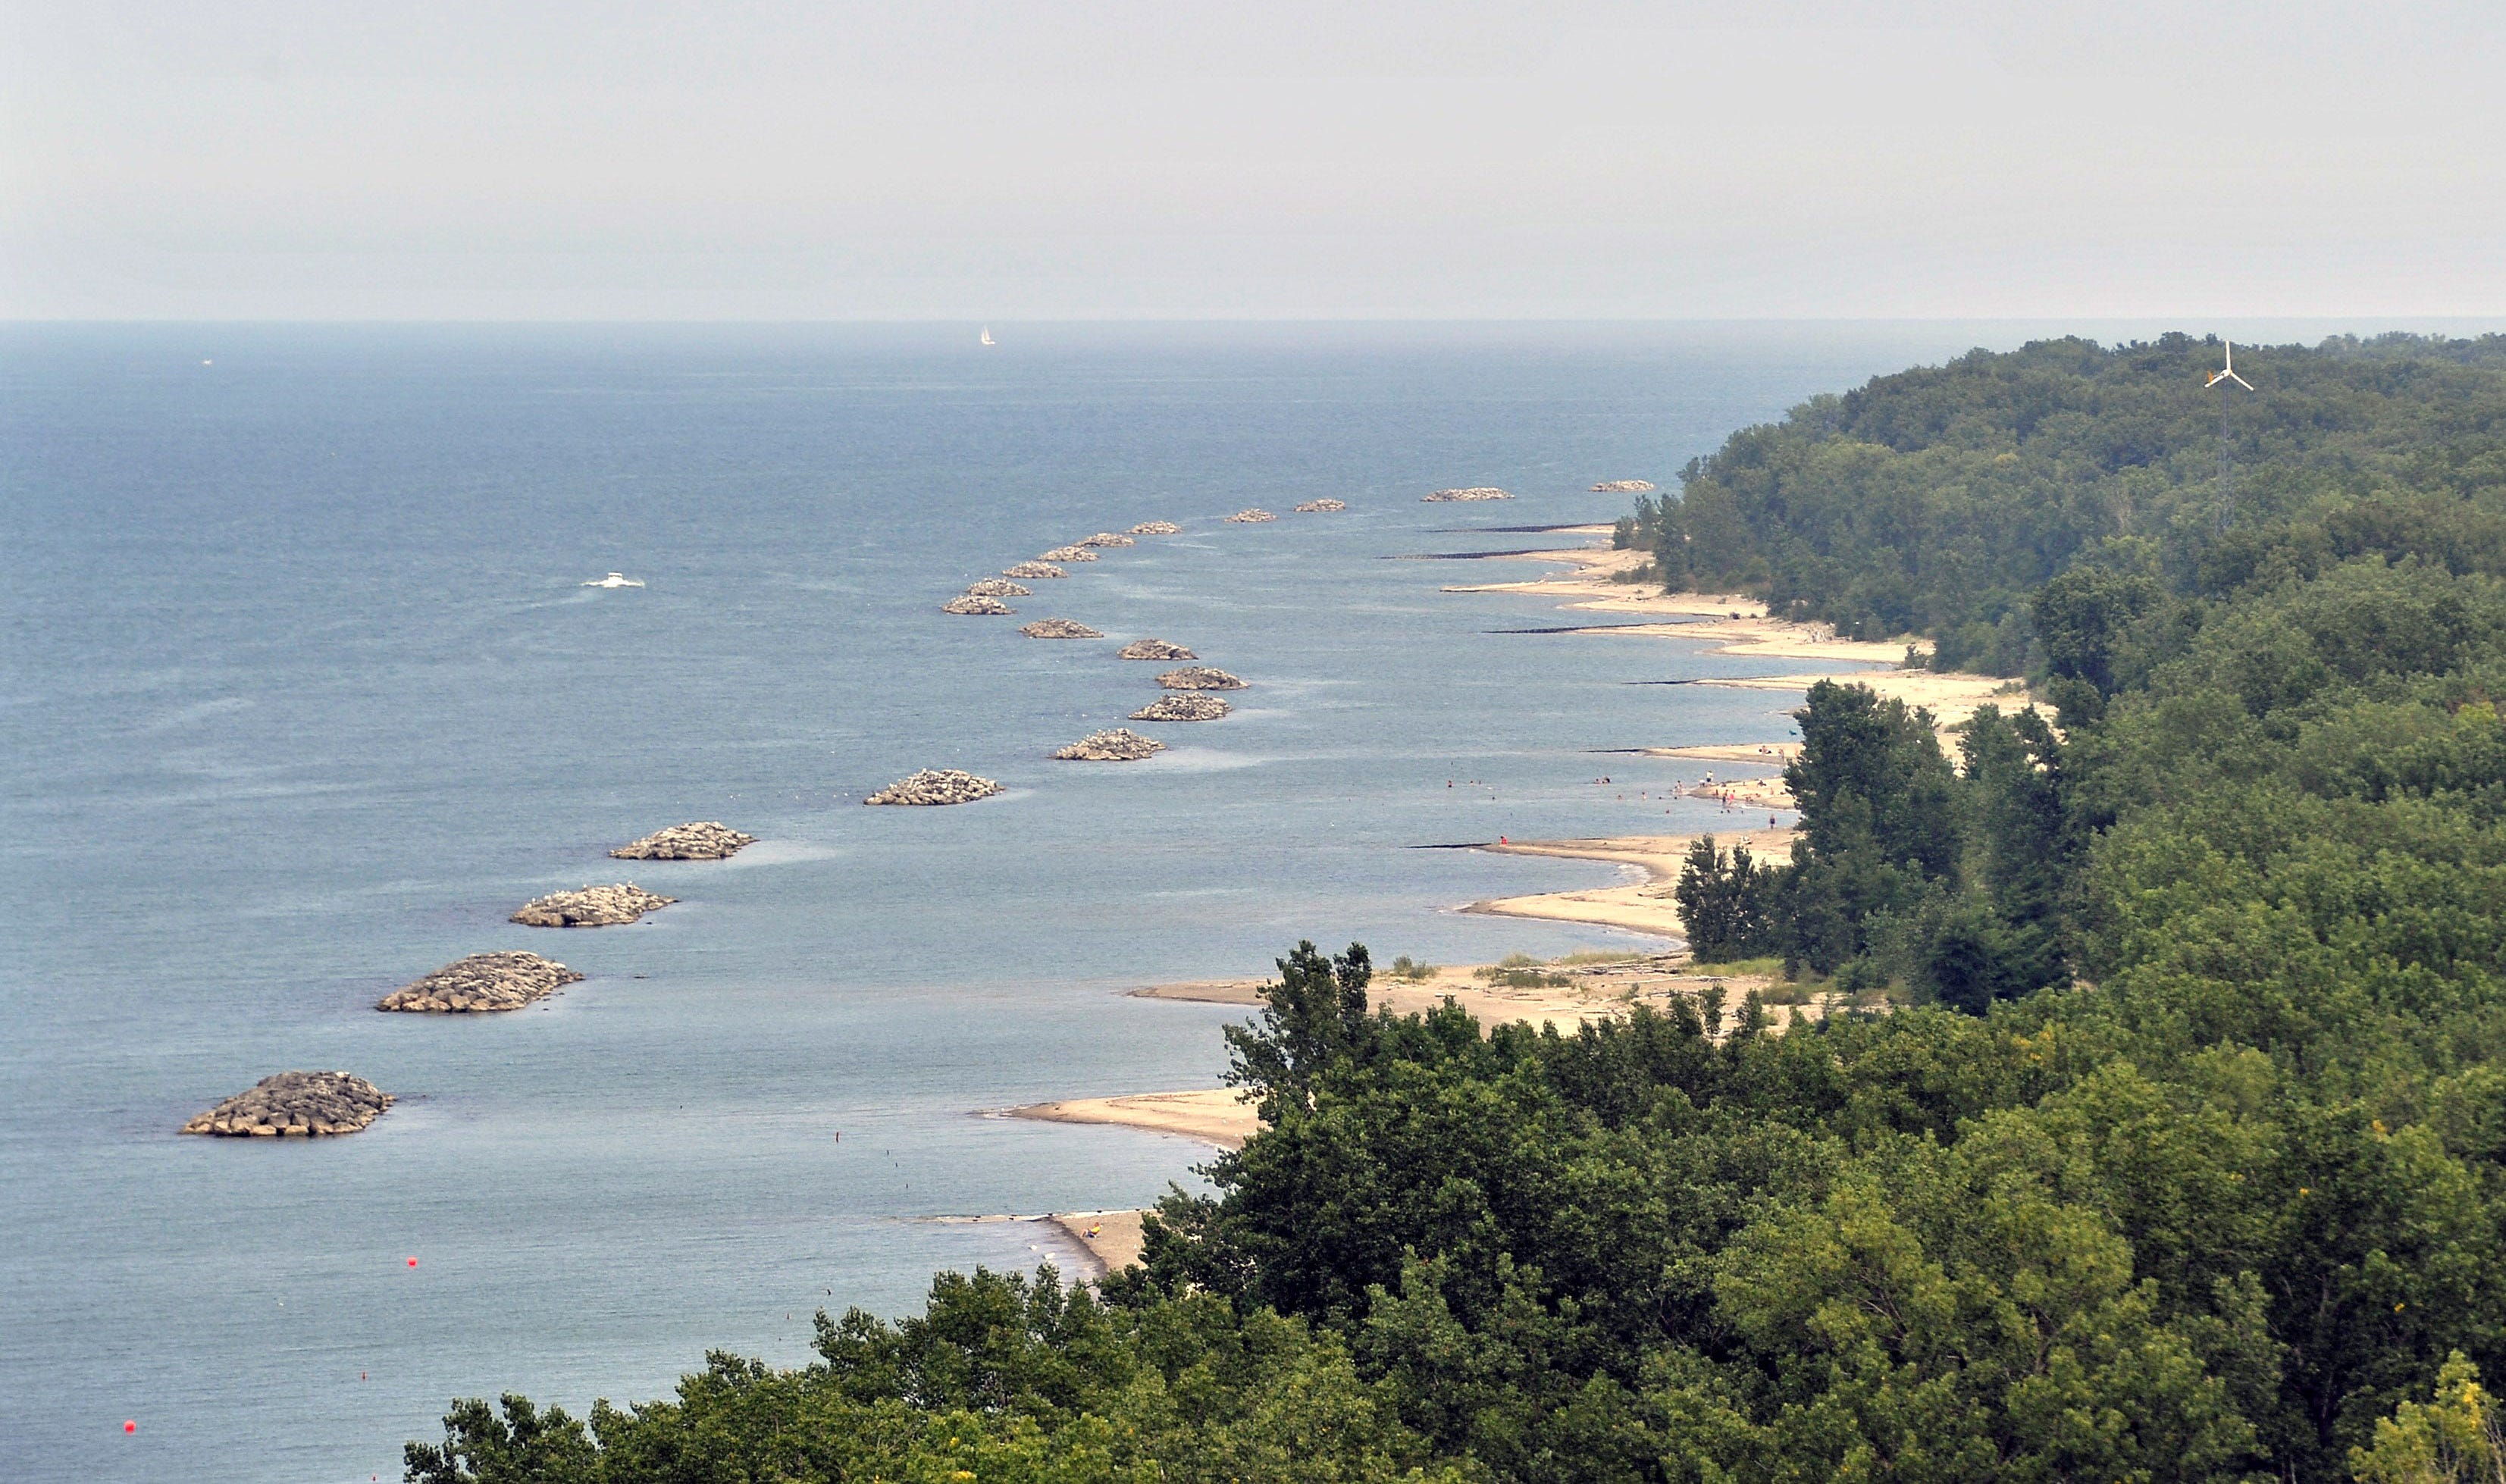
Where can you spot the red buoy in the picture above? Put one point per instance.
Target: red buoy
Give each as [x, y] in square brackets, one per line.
[413, 1262]
[130, 1426]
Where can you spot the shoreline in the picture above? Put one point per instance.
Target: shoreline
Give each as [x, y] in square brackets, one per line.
[1723, 625]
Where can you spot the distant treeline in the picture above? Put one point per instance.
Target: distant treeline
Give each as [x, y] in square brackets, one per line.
[2187, 1160]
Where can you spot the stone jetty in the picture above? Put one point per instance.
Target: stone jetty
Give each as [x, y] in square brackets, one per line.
[701, 841]
[1108, 538]
[971, 604]
[1154, 648]
[1475, 492]
[998, 587]
[1182, 708]
[1156, 528]
[935, 786]
[1250, 518]
[1068, 555]
[1199, 678]
[1033, 570]
[481, 983]
[295, 1105]
[1119, 745]
[1321, 506]
[592, 907]
[1621, 487]
[1058, 628]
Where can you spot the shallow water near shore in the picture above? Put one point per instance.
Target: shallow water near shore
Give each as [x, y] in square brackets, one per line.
[302, 696]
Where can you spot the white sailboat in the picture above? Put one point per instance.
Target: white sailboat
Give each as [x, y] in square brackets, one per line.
[988, 335]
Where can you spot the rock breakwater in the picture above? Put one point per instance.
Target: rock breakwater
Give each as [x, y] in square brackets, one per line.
[1475, 492]
[935, 786]
[998, 587]
[1250, 518]
[1068, 555]
[1156, 528]
[482, 984]
[1621, 487]
[702, 839]
[591, 906]
[1119, 745]
[1031, 570]
[1321, 506]
[1182, 708]
[1199, 678]
[1154, 648]
[295, 1105]
[985, 607]
[1058, 628]
[1108, 538]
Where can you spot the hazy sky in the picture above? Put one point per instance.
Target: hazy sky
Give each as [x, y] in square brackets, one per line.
[626, 158]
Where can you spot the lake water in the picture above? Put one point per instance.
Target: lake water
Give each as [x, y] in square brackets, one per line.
[300, 695]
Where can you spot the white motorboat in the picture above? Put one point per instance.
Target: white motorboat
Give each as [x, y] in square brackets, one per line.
[613, 580]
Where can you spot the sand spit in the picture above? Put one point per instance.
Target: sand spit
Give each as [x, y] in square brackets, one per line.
[1154, 648]
[935, 786]
[1621, 487]
[479, 983]
[1215, 1115]
[1068, 555]
[1475, 492]
[1321, 506]
[1058, 628]
[698, 840]
[1107, 538]
[1031, 570]
[1156, 528]
[1119, 745]
[295, 1105]
[998, 587]
[1199, 678]
[1250, 518]
[1113, 1238]
[982, 607]
[592, 907]
[1182, 708]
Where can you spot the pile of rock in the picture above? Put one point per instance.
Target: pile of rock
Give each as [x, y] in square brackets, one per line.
[1108, 538]
[1033, 570]
[1251, 518]
[1199, 678]
[972, 604]
[1182, 708]
[1156, 528]
[1321, 506]
[1119, 745]
[1058, 628]
[1621, 487]
[593, 906]
[1475, 492]
[935, 786]
[998, 587]
[295, 1105]
[1068, 555]
[1154, 648]
[701, 840]
[481, 982]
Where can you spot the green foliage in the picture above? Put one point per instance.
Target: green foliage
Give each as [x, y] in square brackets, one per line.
[2190, 1163]
[1406, 967]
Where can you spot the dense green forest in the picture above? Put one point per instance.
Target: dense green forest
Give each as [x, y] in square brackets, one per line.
[2180, 1154]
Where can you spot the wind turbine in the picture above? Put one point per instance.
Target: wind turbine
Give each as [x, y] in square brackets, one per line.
[2229, 373]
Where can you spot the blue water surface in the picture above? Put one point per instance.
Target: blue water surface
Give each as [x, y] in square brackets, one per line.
[300, 695]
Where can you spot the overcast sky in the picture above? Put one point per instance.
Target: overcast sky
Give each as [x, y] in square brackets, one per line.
[815, 159]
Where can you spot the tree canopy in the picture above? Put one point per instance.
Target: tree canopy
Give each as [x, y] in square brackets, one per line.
[2183, 1159]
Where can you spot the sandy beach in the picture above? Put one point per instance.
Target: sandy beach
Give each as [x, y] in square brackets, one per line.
[1726, 625]
[1730, 623]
